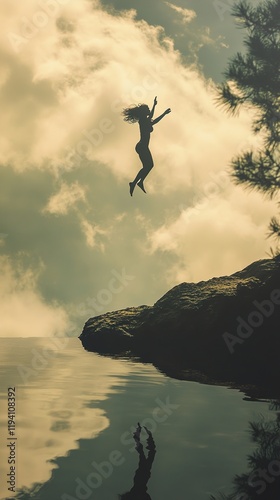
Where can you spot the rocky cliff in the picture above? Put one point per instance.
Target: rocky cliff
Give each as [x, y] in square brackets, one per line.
[224, 329]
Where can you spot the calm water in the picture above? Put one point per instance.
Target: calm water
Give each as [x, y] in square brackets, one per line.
[75, 412]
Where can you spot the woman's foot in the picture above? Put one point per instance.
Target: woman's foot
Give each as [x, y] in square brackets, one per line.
[141, 185]
[131, 188]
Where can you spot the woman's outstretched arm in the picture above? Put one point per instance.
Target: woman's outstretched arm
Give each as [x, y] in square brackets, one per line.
[161, 116]
[153, 108]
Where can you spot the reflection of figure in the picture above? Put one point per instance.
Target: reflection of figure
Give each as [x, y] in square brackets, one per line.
[143, 473]
[143, 116]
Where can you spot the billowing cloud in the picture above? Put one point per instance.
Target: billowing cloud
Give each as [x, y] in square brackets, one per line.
[23, 311]
[186, 15]
[91, 233]
[222, 219]
[74, 86]
[66, 198]
[68, 69]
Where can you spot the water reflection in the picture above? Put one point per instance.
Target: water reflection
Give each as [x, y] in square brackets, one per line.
[143, 472]
[262, 481]
[58, 402]
[80, 409]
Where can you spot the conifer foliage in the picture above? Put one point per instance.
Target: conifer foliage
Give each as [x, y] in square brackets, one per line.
[253, 79]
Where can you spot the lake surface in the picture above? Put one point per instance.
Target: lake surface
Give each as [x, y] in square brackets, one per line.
[75, 414]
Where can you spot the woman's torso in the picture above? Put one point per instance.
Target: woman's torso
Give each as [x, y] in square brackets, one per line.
[145, 131]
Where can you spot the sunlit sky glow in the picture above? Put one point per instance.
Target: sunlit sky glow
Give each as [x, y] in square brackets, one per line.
[73, 242]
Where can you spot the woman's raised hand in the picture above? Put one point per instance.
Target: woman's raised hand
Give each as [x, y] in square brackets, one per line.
[167, 111]
[155, 101]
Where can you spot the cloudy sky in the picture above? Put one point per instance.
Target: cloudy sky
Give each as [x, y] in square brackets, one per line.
[73, 243]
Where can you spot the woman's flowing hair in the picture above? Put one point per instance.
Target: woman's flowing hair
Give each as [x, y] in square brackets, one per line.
[132, 114]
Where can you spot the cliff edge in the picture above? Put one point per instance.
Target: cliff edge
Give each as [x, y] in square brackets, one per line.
[225, 329]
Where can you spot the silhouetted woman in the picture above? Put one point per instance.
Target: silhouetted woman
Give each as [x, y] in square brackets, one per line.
[143, 116]
[143, 472]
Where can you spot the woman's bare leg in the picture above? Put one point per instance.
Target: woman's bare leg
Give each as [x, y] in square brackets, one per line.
[136, 181]
[147, 162]
[141, 185]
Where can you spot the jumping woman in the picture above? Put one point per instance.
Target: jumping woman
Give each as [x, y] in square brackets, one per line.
[144, 116]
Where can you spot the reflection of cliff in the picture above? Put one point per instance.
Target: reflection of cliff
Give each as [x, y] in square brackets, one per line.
[226, 327]
[262, 481]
